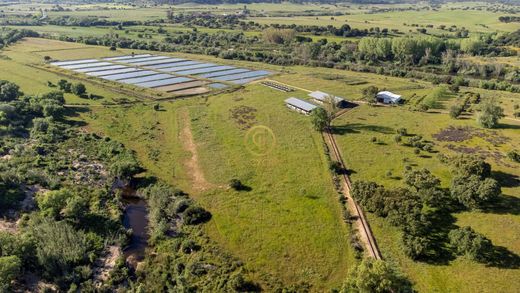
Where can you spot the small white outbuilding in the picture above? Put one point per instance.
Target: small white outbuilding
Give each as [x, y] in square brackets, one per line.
[387, 97]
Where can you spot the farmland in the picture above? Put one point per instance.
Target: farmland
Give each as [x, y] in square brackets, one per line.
[268, 207]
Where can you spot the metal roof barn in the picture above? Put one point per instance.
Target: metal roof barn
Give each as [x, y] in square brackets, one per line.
[322, 97]
[300, 104]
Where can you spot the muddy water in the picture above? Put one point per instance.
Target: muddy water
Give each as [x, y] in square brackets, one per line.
[135, 217]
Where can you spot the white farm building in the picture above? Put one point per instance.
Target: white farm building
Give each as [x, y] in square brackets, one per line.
[321, 97]
[387, 97]
[300, 105]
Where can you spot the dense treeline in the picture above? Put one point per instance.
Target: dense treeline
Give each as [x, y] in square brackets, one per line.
[9, 36]
[428, 58]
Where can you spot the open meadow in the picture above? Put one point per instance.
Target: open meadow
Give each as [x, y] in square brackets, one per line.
[286, 222]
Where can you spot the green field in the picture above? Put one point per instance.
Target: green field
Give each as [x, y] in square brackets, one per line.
[371, 161]
[291, 213]
[288, 226]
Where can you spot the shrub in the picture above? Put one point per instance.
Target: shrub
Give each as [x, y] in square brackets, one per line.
[514, 156]
[465, 241]
[195, 215]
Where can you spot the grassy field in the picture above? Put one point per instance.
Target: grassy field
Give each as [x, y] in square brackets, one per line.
[287, 226]
[372, 161]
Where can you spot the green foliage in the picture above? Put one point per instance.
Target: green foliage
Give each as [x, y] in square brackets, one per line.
[514, 156]
[10, 268]
[489, 113]
[370, 93]
[467, 165]
[474, 192]
[59, 247]
[456, 111]
[421, 179]
[9, 91]
[376, 276]
[78, 89]
[320, 119]
[52, 202]
[64, 85]
[465, 241]
[195, 215]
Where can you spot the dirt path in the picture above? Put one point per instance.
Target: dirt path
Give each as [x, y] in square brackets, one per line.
[360, 223]
[105, 264]
[192, 164]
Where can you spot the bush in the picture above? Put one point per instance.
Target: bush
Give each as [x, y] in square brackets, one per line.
[456, 111]
[236, 184]
[335, 167]
[514, 156]
[465, 241]
[79, 89]
[195, 215]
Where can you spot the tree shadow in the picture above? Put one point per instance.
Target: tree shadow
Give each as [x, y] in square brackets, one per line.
[505, 204]
[501, 257]
[506, 179]
[508, 126]
[443, 222]
[358, 127]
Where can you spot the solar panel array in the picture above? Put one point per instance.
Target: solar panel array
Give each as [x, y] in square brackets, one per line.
[163, 73]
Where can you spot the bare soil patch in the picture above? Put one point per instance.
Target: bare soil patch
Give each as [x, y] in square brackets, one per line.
[192, 164]
[244, 116]
[460, 134]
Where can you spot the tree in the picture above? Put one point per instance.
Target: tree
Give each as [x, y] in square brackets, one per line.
[320, 119]
[421, 179]
[370, 94]
[9, 91]
[474, 192]
[489, 113]
[79, 89]
[465, 241]
[64, 85]
[376, 276]
[467, 165]
[10, 267]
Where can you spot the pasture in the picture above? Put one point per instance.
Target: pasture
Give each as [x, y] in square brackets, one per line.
[287, 226]
[384, 162]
